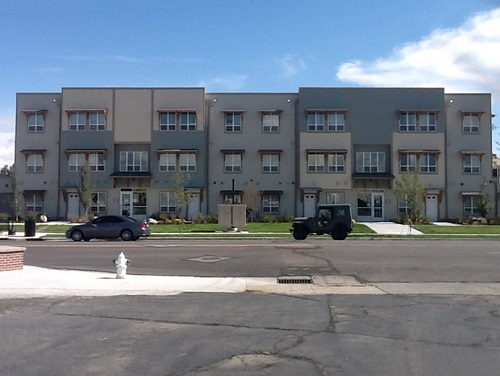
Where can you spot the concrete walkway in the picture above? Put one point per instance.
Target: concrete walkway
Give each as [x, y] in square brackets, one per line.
[391, 228]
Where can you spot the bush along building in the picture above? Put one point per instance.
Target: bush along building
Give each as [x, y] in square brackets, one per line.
[180, 152]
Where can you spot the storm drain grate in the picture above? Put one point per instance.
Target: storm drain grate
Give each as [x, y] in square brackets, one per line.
[295, 280]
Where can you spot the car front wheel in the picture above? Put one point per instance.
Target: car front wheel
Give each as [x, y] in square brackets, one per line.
[77, 236]
[126, 235]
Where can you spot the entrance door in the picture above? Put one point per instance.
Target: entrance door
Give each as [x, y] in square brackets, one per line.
[73, 205]
[194, 206]
[309, 205]
[378, 203]
[126, 202]
[431, 207]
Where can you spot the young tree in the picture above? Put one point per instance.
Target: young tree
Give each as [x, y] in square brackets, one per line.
[17, 192]
[485, 205]
[412, 190]
[85, 189]
[251, 198]
[181, 194]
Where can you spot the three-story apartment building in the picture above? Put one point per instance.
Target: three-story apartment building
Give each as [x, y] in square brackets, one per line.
[281, 153]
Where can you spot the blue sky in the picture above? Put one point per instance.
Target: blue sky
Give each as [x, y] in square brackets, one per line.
[245, 46]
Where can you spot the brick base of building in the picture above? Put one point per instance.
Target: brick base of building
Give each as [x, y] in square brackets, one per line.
[11, 258]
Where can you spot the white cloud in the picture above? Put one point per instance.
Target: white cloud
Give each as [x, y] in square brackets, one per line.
[225, 83]
[290, 65]
[464, 59]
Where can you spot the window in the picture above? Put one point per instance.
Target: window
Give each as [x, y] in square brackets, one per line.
[97, 121]
[33, 202]
[168, 162]
[270, 123]
[407, 162]
[471, 205]
[97, 162]
[428, 121]
[336, 121]
[167, 121]
[270, 203]
[471, 164]
[98, 206]
[167, 202]
[315, 121]
[187, 162]
[229, 197]
[370, 162]
[315, 162]
[34, 163]
[232, 162]
[407, 121]
[77, 121]
[134, 161]
[428, 163]
[233, 122]
[188, 121]
[403, 205]
[336, 162]
[36, 122]
[334, 198]
[76, 161]
[470, 122]
[270, 163]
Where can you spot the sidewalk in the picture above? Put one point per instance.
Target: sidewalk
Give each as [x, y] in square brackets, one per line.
[391, 228]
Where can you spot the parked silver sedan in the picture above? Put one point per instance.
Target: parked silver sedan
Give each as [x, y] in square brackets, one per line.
[109, 227]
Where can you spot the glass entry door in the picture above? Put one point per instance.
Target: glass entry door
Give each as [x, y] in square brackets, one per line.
[371, 205]
[126, 207]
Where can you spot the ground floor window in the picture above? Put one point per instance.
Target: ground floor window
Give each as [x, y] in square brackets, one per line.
[34, 202]
[334, 197]
[403, 205]
[471, 206]
[168, 202]
[98, 206]
[270, 203]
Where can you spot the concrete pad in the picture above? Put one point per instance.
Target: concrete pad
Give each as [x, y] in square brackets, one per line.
[391, 228]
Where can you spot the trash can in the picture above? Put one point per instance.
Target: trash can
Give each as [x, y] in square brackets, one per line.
[29, 227]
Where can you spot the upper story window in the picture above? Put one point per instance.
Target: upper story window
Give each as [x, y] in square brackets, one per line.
[168, 162]
[270, 162]
[167, 121]
[471, 164]
[270, 122]
[407, 121]
[418, 120]
[334, 120]
[428, 162]
[95, 120]
[335, 198]
[233, 122]
[97, 161]
[76, 161]
[232, 160]
[184, 120]
[326, 160]
[470, 122]
[188, 121]
[428, 121]
[187, 162]
[407, 162]
[134, 161]
[34, 162]
[370, 161]
[316, 121]
[36, 122]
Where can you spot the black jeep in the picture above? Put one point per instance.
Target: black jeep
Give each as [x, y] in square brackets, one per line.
[335, 220]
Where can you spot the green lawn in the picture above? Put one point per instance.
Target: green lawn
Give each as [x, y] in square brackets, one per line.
[255, 227]
[459, 230]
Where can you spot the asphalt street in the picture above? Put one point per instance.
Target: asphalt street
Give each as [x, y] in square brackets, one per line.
[436, 312]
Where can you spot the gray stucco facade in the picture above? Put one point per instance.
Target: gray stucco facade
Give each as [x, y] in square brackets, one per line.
[281, 153]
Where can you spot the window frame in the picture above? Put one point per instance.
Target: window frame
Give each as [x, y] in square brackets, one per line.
[139, 162]
[467, 126]
[370, 161]
[187, 162]
[36, 127]
[270, 126]
[230, 123]
[168, 205]
[35, 163]
[468, 165]
[424, 161]
[270, 163]
[33, 202]
[165, 162]
[100, 120]
[76, 161]
[99, 203]
[270, 203]
[230, 167]
[77, 126]
[407, 125]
